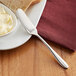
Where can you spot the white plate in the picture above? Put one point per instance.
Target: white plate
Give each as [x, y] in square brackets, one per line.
[20, 36]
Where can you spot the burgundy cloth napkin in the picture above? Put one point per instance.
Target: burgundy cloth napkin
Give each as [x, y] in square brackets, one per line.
[58, 22]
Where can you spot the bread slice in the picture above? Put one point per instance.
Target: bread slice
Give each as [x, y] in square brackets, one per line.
[35, 1]
[15, 4]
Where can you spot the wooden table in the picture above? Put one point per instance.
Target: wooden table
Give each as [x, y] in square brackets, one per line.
[34, 59]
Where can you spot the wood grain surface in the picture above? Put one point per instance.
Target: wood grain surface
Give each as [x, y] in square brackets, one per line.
[34, 59]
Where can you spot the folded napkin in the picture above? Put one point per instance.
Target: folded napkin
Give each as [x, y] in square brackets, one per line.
[58, 22]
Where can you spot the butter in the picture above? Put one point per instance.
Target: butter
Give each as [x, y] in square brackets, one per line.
[6, 22]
